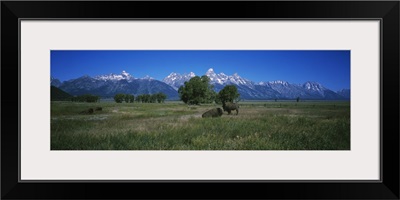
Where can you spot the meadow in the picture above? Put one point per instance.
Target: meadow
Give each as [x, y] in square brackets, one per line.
[286, 125]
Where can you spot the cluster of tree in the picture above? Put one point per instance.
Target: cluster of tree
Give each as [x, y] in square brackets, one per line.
[128, 98]
[86, 98]
[199, 90]
[151, 98]
[143, 98]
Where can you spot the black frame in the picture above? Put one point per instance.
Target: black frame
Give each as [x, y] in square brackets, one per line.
[386, 11]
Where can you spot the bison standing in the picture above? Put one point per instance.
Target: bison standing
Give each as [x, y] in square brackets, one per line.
[228, 107]
[216, 112]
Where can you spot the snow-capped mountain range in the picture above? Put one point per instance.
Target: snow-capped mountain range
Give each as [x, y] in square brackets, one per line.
[262, 90]
[107, 86]
[111, 84]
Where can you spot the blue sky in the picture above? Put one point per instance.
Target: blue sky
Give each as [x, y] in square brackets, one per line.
[330, 68]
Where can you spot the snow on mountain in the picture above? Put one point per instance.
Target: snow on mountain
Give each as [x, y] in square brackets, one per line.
[277, 89]
[237, 80]
[115, 77]
[210, 72]
[147, 77]
[176, 80]
[312, 86]
[307, 90]
[220, 78]
[277, 82]
[224, 79]
[55, 82]
[285, 90]
[344, 93]
[108, 85]
[125, 74]
[111, 84]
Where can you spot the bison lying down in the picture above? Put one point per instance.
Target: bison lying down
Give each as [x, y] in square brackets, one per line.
[216, 112]
[91, 110]
[88, 111]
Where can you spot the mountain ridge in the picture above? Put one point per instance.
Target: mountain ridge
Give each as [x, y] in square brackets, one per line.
[277, 89]
[107, 86]
[110, 84]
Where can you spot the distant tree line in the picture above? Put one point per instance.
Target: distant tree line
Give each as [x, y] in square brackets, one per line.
[86, 98]
[153, 98]
[142, 98]
[128, 98]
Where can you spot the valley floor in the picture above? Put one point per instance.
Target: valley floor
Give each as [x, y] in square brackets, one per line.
[260, 125]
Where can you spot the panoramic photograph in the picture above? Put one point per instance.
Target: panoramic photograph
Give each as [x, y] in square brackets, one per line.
[200, 99]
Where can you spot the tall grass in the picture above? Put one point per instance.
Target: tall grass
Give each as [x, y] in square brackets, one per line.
[175, 126]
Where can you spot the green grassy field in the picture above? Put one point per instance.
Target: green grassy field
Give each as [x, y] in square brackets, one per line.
[176, 126]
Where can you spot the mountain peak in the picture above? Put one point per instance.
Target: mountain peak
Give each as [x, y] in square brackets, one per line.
[175, 80]
[147, 77]
[109, 84]
[313, 85]
[55, 82]
[115, 77]
[124, 73]
[262, 83]
[210, 72]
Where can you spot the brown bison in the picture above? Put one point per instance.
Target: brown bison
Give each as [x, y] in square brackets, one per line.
[216, 112]
[228, 107]
[88, 111]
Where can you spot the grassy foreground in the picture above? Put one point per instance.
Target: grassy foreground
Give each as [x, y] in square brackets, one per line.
[176, 126]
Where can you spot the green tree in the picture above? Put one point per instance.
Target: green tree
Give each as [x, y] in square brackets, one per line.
[217, 99]
[161, 97]
[297, 99]
[153, 98]
[92, 98]
[210, 94]
[126, 98]
[197, 90]
[131, 98]
[119, 98]
[228, 94]
[139, 98]
[146, 98]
